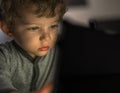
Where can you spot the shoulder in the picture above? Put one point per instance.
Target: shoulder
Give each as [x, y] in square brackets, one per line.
[7, 51]
[6, 48]
[5, 54]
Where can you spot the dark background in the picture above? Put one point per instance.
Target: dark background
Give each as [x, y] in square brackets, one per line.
[90, 60]
[90, 56]
[76, 2]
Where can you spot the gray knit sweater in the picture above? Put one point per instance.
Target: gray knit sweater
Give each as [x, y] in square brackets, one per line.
[18, 71]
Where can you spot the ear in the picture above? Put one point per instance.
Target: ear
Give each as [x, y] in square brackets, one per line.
[4, 27]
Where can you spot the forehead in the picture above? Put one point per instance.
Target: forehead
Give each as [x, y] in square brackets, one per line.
[28, 17]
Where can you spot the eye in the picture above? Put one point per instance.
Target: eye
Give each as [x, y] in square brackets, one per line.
[33, 28]
[54, 26]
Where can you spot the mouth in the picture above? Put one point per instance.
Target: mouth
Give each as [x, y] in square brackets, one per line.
[46, 48]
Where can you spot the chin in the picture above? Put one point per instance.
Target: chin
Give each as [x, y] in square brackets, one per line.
[43, 54]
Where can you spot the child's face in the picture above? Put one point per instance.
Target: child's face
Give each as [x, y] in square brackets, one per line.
[36, 35]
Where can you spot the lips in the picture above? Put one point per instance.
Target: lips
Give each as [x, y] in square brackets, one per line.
[44, 48]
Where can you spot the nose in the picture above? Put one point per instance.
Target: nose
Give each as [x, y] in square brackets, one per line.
[44, 36]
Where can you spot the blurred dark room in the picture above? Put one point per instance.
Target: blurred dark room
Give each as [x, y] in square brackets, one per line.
[89, 42]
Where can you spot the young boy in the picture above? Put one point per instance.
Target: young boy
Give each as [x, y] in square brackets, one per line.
[28, 62]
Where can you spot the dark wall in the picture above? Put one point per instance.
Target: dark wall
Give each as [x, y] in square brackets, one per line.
[90, 59]
[90, 51]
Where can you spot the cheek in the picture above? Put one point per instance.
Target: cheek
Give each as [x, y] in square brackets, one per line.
[54, 37]
[26, 40]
